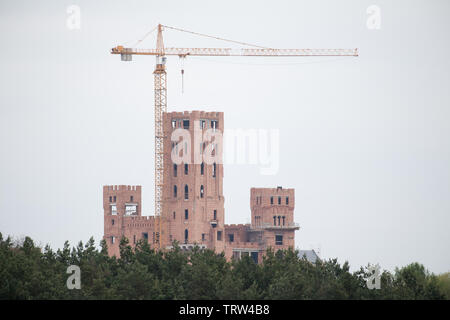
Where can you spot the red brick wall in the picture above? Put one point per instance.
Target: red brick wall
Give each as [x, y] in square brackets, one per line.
[248, 238]
[122, 194]
[201, 210]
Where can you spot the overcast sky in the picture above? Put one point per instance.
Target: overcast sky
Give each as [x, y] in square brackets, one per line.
[364, 141]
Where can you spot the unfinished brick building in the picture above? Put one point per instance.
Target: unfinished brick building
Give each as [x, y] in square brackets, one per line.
[193, 201]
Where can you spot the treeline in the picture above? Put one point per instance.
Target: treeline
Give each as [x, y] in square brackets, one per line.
[29, 272]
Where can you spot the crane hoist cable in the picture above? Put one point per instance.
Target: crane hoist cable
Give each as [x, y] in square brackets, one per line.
[145, 36]
[217, 38]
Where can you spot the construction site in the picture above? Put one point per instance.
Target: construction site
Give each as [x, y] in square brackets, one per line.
[189, 199]
[212, 159]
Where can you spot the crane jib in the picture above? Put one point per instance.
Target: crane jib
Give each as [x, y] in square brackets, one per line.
[127, 52]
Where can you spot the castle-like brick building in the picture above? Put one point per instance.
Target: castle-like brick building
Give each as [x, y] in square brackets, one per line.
[193, 201]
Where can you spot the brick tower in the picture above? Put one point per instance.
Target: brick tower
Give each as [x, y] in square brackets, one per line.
[272, 225]
[273, 211]
[122, 208]
[193, 202]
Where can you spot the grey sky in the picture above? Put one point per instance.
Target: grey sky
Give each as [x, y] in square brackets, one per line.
[365, 141]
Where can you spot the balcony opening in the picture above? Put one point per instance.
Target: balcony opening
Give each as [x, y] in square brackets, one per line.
[214, 124]
[279, 240]
[130, 210]
[236, 255]
[254, 256]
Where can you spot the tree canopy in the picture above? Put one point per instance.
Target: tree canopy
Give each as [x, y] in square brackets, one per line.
[30, 272]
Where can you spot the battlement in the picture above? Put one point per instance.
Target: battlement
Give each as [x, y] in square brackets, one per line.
[140, 218]
[194, 114]
[277, 190]
[139, 222]
[121, 188]
[241, 225]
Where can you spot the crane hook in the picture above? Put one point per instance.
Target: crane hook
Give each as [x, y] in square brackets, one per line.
[182, 80]
[182, 58]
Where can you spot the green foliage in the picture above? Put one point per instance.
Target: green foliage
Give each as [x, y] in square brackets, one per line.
[444, 284]
[29, 272]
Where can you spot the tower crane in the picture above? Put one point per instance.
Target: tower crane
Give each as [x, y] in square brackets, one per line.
[160, 87]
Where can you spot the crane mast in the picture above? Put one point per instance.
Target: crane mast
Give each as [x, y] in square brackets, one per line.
[160, 87]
